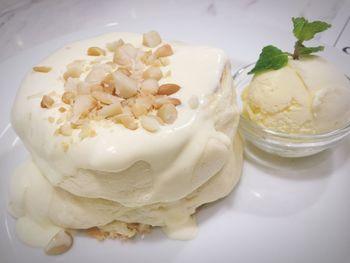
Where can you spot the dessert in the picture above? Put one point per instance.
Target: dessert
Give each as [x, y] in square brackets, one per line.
[308, 96]
[125, 132]
[298, 93]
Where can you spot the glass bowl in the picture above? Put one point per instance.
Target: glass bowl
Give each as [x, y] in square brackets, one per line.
[281, 143]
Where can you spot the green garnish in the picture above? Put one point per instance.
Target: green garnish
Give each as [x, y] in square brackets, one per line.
[270, 58]
[273, 58]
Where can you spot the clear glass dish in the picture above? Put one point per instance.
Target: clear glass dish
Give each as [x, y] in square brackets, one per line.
[280, 143]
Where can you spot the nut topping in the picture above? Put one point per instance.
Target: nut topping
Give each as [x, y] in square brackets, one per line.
[151, 39]
[42, 69]
[96, 51]
[60, 243]
[124, 91]
[168, 89]
[46, 102]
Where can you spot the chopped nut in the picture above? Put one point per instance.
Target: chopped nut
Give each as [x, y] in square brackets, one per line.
[149, 123]
[164, 51]
[165, 61]
[152, 73]
[84, 88]
[97, 74]
[175, 101]
[46, 102]
[121, 56]
[127, 120]
[108, 84]
[104, 97]
[139, 109]
[112, 46]
[96, 51]
[97, 233]
[146, 101]
[68, 97]
[86, 131]
[149, 86]
[74, 69]
[42, 69]
[51, 119]
[151, 39]
[125, 86]
[140, 228]
[159, 100]
[148, 58]
[167, 113]
[71, 85]
[65, 129]
[96, 87]
[83, 104]
[125, 71]
[110, 110]
[62, 109]
[168, 89]
[59, 244]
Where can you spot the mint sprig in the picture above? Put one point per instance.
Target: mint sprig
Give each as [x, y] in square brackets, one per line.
[273, 58]
[270, 58]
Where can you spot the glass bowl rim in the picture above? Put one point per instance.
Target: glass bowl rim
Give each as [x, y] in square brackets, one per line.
[295, 136]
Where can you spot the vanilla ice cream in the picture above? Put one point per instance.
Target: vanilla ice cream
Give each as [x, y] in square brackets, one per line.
[307, 96]
[120, 174]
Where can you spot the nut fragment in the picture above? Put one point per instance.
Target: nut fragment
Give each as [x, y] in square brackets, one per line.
[175, 101]
[148, 58]
[97, 233]
[42, 69]
[68, 97]
[122, 55]
[59, 244]
[125, 86]
[104, 97]
[139, 109]
[168, 89]
[112, 46]
[164, 51]
[65, 130]
[46, 102]
[159, 100]
[96, 75]
[96, 51]
[149, 86]
[152, 73]
[110, 110]
[151, 39]
[127, 120]
[87, 131]
[149, 123]
[83, 104]
[108, 84]
[167, 113]
[74, 69]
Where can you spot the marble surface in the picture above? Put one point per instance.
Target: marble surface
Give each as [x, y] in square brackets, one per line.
[26, 23]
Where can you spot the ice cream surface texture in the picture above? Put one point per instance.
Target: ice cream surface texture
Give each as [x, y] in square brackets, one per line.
[119, 175]
[308, 96]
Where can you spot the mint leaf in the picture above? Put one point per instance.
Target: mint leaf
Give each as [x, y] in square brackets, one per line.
[270, 58]
[304, 30]
[308, 50]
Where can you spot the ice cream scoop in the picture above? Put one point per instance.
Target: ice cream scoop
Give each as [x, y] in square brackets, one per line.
[307, 96]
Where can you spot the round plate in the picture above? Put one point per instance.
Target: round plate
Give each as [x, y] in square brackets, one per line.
[283, 210]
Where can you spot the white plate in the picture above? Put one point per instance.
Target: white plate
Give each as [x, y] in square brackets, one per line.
[283, 210]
